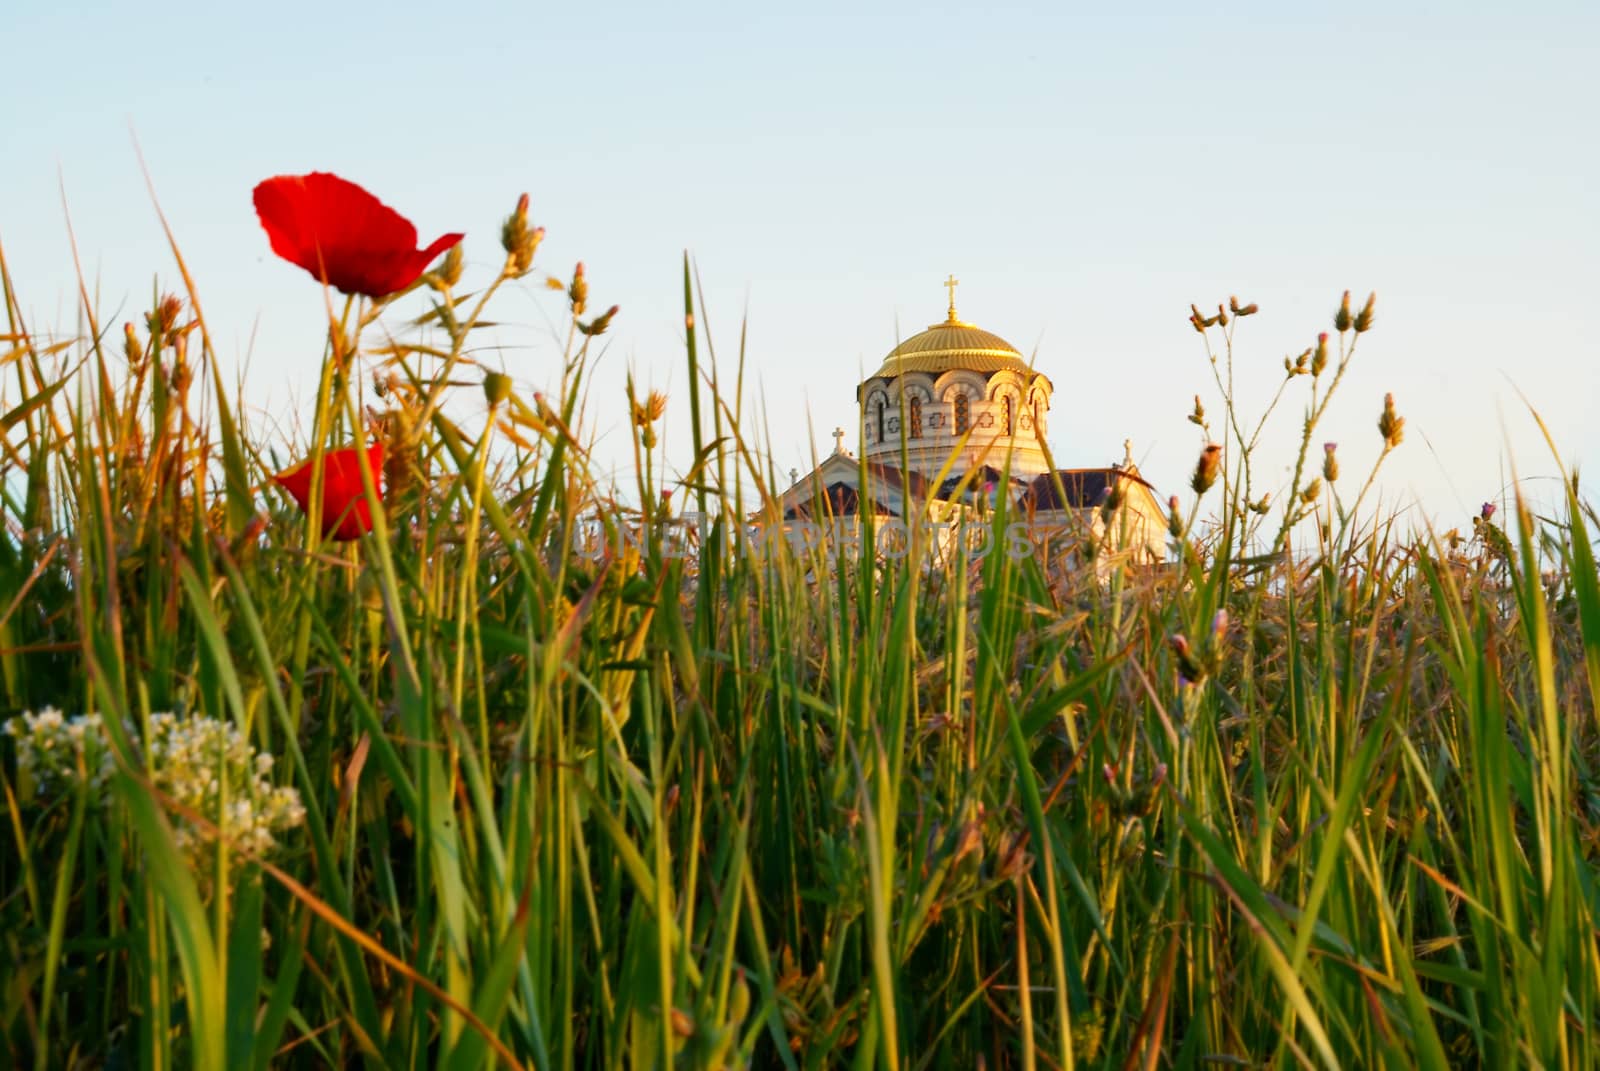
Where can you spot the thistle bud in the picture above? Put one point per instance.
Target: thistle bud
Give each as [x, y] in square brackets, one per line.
[515, 228]
[1319, 358]
[496, 388]
[1341, 319]
[1174, 518]
[1363, 321]
[163, 319]
[1114, 495]
[1233, 303]
[450, 271]
[1110, 500]
[739, 1000]
[578, 292]
[182, 376]
[1260, 507]
[131, 346]
[1312, 490]
[650, 410]
[1221, 316]
[1487, 511]
[1330, 462]
[598, 325]
[519, 241]
[1249, 310]
[1198, 417]
[1391, 425]
[1190, 671]
[1206, 469]
[1197, 320]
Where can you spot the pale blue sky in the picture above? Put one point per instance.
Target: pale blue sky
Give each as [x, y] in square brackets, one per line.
[1085, 172]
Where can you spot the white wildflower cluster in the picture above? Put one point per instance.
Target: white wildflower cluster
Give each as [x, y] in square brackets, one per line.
[194, 761]
[191, 760]
[54, 752]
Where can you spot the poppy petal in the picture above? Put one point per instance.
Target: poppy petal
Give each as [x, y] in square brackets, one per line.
[342, 234]
[346, 514]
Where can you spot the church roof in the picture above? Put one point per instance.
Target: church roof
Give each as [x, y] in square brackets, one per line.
[843, 501]
[842, 493]
[952, 344]
[1085, 488]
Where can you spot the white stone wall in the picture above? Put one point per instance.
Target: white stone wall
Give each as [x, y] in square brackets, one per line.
[890, 409]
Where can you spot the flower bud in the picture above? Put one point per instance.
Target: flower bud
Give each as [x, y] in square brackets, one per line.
[1114, 495]
[1190, 671]
[1198, 417]
[1174, 518]
[1330, 462]
[1319, 359]
[163, 320]
[496, 388]
[1391, 425]
[1363, 321]
[519, 241]
[450, 270]
[1260, 507]
[1313, 489]
[1222, 316]
[1206, 469]
[578, 292]
[131, 346]
[1487, 511]
[650, 410]
[598, 325]
[182, 375]
[1341, 319]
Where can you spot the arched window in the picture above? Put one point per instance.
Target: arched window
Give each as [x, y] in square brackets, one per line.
[1038, 425]
[963, 414]
[882, 405]
[1005, 414]
[916, 419]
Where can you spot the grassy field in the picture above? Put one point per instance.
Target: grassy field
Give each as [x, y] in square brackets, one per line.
[1319, 793]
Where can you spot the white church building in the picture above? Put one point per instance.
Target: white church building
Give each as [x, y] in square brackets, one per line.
[953, 418]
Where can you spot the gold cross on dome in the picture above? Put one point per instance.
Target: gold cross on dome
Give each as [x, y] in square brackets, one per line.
[950, 283]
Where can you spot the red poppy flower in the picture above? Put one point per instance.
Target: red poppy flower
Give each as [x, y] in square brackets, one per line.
[345, 513]
[342, 234]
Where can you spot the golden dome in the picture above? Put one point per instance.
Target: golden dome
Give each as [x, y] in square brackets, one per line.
[952, 344]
